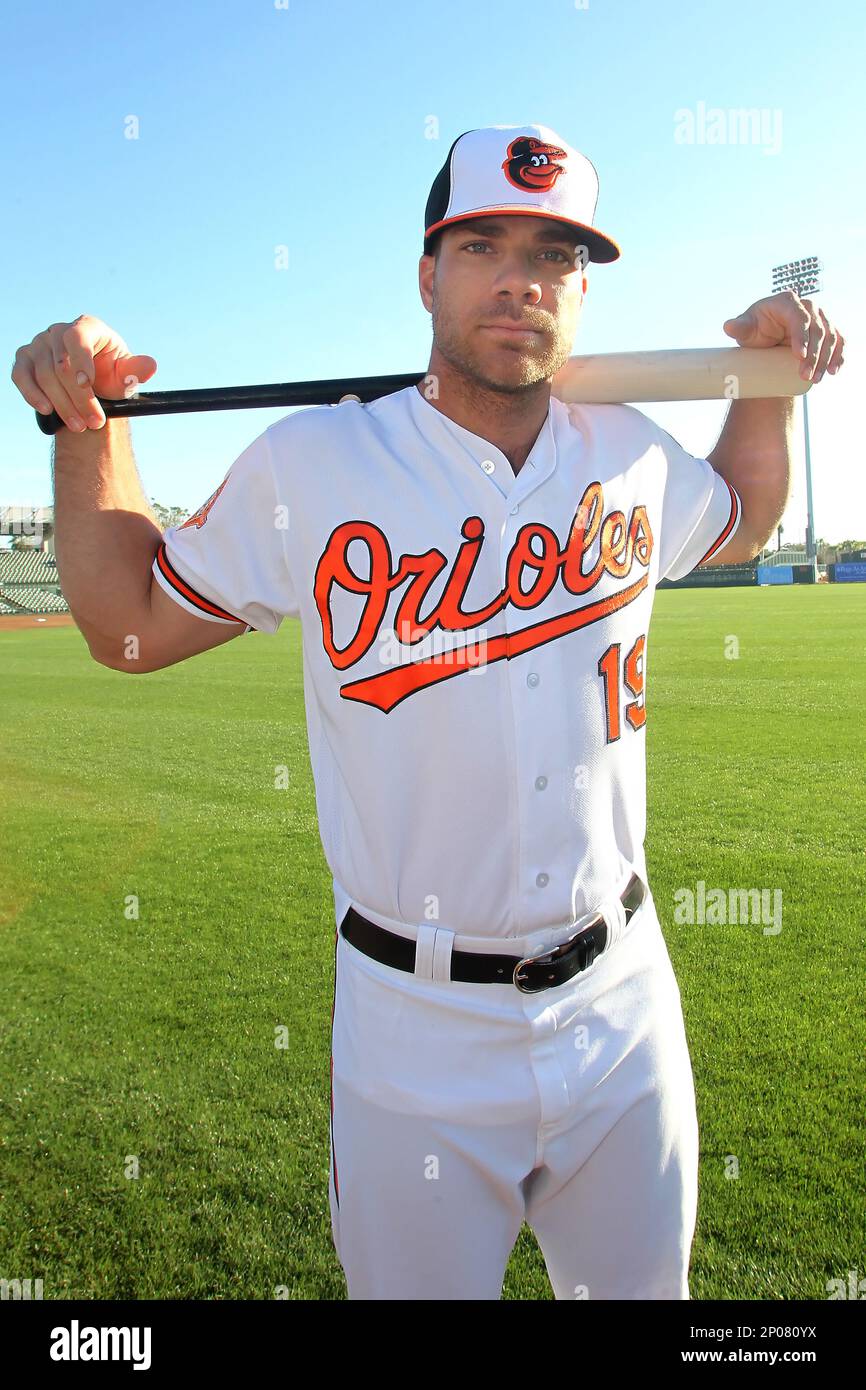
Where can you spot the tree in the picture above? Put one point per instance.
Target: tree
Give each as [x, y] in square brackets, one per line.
[168, 516]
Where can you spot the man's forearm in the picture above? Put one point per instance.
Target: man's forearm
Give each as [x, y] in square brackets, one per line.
[105, 534]
[754, 455]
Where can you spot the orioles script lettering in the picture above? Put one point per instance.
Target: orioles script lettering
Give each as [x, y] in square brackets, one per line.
[619, 546]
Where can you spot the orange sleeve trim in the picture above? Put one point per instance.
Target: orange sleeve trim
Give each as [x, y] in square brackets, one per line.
[167, 570]
[732, 522]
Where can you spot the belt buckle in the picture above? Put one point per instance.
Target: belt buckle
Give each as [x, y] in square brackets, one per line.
[554, 954]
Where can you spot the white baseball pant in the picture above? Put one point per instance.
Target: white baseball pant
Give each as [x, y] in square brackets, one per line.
[458, 1111]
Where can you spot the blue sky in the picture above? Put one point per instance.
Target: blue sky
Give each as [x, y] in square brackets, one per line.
[307, 125]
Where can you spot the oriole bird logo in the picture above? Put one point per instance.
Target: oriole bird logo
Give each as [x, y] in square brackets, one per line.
[531, 163]
[199, 517]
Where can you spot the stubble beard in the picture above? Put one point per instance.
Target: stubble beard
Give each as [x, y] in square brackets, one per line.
[525, 368]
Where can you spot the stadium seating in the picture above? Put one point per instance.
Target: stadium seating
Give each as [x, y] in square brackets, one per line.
[27, 567]
[33, 599]
[29, 583]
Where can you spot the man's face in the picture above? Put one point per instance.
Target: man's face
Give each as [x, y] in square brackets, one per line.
[498, 272]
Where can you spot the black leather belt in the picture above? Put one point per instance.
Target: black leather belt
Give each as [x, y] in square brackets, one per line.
[529, 973]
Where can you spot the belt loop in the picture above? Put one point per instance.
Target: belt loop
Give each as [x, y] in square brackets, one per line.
[614, 914]
[425, 943]
[442, 954]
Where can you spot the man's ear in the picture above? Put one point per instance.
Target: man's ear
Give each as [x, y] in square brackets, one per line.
[426, 271]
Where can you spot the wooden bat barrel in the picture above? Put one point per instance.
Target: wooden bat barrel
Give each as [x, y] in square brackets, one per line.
[680, 374]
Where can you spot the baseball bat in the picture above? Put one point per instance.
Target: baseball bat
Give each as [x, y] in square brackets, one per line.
[680, 374]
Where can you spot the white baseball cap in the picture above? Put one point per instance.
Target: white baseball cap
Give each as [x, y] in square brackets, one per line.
[517, 169]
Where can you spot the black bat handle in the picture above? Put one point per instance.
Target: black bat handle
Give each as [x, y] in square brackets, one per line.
[290, 393]
[51, 423]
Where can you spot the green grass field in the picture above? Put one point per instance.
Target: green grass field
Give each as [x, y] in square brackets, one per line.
[151, 1039]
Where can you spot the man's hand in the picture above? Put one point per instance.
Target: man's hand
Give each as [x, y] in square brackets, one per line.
[68, 365]
[786, 319]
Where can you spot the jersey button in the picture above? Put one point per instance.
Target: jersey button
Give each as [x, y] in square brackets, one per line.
[542, 880]
[541, 783]
[532, 679]
[488, 465]
[515, 510]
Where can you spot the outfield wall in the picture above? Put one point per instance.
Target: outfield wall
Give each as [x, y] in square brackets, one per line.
[853, 572]
[775, 574]
[719, 577]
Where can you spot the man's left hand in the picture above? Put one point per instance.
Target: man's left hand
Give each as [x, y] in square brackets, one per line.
[786, 319]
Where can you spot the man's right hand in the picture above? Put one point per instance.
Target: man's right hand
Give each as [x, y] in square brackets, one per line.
[48, 371]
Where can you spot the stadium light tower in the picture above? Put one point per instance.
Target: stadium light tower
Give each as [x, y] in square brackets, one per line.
[802, 278]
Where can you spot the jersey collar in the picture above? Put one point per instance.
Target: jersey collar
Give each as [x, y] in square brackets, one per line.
[440, 428]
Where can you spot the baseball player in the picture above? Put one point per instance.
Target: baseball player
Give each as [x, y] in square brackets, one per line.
[473, 563]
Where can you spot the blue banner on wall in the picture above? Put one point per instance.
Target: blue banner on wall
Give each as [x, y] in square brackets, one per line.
[853, 572]
[775, 574]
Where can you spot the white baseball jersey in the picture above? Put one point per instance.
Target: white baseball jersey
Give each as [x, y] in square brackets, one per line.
[474, 641]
